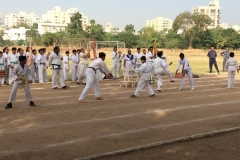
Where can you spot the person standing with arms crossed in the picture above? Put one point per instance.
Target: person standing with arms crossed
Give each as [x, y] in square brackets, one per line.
[226, 55]
[212, 55]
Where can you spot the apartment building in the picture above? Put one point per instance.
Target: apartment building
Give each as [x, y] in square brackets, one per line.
[57, 16]
[22, 17]
[212, 10]
[160, 24]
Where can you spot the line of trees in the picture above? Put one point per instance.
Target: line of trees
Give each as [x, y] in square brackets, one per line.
[193, 27]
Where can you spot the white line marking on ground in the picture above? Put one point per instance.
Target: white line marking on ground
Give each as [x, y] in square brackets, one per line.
[121, 133]
[161, 143]
[118, 117]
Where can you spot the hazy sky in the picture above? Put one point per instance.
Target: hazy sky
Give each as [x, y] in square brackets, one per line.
[123, 12]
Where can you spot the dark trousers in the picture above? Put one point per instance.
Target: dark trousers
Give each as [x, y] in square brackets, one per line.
[211, 62]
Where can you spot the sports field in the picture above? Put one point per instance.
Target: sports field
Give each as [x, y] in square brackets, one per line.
[59, 128]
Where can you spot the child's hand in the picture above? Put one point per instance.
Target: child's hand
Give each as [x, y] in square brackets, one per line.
[19, 79]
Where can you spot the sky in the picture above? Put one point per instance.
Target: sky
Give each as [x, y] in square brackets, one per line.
[123, 12]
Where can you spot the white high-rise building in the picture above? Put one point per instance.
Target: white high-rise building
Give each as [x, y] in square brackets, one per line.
[160, 23]
[57, 16]
[212, 10]
[22, 17]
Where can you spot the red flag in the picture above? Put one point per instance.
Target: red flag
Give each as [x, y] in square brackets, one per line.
[94, 48]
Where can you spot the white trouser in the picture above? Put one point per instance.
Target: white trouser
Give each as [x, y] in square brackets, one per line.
[34, 72]
[65, 73]
[152, 69]
[190, 77]
[15, 87]
[231, 77]
[91, 81]
[74, 72]
[7, 74]
[119, 66]
[82, 73]
[169, 74]
[160, 82]
[10, 75]
[140, 86]
[57, 73]
[114, 69]
[2, 80]
[42, 73]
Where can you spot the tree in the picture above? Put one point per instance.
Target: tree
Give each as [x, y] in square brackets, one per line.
[75, 26]
[191, 24]
[35, 26]
[130, 28]
[95, 30]
[48, 39]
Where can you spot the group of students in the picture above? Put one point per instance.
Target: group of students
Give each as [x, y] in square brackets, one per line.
[146, 64]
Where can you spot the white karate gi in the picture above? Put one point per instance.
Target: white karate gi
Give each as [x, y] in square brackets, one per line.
[114, 56]
[18, 71]
[137, 57]
[57, 71]
[97, 64]
[166, 70]
[129, 63]
[34, 69]
[74, 59]
[42, 67]
[2, 68]
[13, 61]
[119, 65]
[159, 67]
[231, 66]
[82, 67]
[150, 61]
[188, 69]
[145, 69]
[65, 67]
[5, 55]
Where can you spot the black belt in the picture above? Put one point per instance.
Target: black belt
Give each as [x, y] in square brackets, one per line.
[93, 69]
[43, 63]
[212, 58]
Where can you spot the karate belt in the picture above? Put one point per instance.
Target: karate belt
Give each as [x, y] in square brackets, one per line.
[2, 74]
[93, 69]
[14, 62]
[23, 82]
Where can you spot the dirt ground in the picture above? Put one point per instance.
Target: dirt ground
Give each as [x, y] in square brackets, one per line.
[59, 128]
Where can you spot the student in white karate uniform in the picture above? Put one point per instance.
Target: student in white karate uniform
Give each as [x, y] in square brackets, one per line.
[114, 56]
[129, 62]
[22, 77]
[83, 65]
[119, 64]
[145, 69]
[75, 62]
[55, 60]
[92, 81]
[41, 62]
[12, 62]
[231, 66]
[20, 52]
[185, 70]
[169, 74]
[66, 68]
[34, 67]
[5, 55]
[159, 66]
[150, 59]
[2, 67]
[27, 52]
[137, 57]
